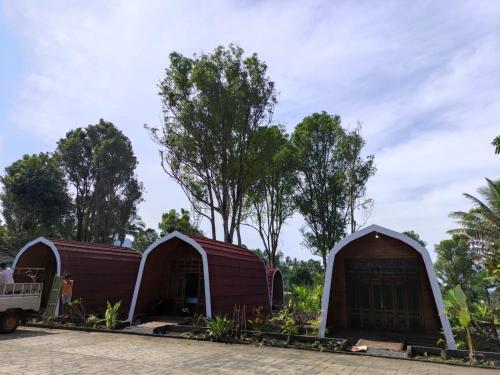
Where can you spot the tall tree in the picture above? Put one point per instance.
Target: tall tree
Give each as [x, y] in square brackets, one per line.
[415, 236]
[455, 266]
[213, 104]
[35, 199]
[100, 165]
[173, 221]
[358, 171]
[271, 198]
[481, 225]
[324, 152]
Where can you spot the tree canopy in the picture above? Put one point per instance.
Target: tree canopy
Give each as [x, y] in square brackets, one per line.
[455, 266]
[143, 238]
[35, 199]
[496, 144]
[415, 236]
[331, 177]
[100, 164]
[173, 221]
[271, 198]
[481, 226]
[213, 105]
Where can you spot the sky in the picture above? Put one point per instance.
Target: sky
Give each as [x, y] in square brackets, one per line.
[423, 78]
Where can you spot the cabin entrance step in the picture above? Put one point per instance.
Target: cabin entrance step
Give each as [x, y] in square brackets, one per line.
[149, 327]
[385, 348]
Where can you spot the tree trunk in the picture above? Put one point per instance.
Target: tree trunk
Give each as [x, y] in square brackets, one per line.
[212, 223]
[212, 211]
[225, 225]
[238, 234]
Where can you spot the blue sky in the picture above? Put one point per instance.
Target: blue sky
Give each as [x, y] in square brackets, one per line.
[422, 77]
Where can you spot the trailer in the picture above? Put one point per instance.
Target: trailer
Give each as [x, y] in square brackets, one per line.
[18, 301]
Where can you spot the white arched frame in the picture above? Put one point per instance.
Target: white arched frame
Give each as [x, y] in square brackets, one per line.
[152, 247]
[450, 341]
[52, 247]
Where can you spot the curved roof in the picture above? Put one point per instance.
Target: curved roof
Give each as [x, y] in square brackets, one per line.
[93, 249]
[223, 249]
[80, 249]
[100, 271]
[233, 275]
[407, 240]
[271, 271]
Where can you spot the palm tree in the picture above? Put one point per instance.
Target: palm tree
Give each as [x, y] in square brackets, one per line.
[481, 225]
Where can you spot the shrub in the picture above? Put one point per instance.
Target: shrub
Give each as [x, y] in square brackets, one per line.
[259, 320]
[196, 322]
[219, 328]
[111, 314]
[92, 321]
[77, 309]
[457, 309]
[284, 319]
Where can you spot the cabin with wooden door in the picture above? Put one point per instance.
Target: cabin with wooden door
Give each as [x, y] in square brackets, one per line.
[186, 274]
[381, 284]
[275, 284]
[100, 272]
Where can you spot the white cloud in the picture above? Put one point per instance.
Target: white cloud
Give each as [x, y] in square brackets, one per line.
[422, 78]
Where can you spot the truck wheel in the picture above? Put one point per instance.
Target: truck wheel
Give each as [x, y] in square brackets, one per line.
[8, 322]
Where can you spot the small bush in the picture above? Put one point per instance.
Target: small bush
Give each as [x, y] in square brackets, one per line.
[285, 320]
[92, 321]
[111, 314]
[219, 328]
[259, 320]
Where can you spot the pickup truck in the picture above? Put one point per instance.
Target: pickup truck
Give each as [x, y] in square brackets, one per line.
[17, 302]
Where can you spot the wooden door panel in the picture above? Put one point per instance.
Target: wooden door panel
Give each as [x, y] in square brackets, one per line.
[383, 295]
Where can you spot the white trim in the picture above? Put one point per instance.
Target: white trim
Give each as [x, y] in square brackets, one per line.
[272, 286]
[52, 247]
[153, 246]
[450, 341]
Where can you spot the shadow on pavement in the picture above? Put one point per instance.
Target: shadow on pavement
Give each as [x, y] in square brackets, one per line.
[24, 333]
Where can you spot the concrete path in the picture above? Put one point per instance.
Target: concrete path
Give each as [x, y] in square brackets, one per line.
[44, 351]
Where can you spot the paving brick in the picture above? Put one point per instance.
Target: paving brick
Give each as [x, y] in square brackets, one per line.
[44, 351]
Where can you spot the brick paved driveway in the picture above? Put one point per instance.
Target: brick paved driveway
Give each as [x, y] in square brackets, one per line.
[43, 351]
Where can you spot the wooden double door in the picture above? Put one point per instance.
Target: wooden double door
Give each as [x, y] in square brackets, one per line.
[188, 287]
[384, 295]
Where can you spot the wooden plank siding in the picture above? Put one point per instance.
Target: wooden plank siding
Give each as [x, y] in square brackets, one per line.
[100, 272]
[382, 248]
[237, 277]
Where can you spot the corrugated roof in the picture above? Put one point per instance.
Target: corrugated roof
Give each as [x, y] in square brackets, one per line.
[100, 272]
[224, 249]
[93, 248]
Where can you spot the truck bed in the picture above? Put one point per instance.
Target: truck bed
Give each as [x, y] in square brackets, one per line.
[22, 296]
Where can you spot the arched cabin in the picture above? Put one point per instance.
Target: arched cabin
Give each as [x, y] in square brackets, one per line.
[275, 283]
[182, 271]
[100, 272]
[380, 283]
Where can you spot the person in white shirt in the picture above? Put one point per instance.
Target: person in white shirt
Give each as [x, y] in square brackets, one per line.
[6, 276]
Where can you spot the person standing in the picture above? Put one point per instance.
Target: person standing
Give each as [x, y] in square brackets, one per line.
[6, 276]
[66, 292]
